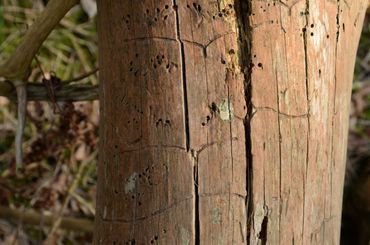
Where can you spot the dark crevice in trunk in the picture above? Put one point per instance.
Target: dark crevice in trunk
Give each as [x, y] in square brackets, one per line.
[308, 111]
[262, 235]
[243, 11]
[183, 73]
[187, 130]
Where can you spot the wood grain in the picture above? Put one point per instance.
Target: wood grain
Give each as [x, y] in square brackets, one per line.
[303, 54]
[204, 100]
[172, 158]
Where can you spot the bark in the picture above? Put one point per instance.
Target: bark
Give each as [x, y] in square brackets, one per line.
[203, 101]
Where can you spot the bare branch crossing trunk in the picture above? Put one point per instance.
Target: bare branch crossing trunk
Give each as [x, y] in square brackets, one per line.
[224, 122]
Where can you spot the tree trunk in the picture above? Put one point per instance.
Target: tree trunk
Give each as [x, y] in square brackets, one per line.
[205, 102]
[301, 97]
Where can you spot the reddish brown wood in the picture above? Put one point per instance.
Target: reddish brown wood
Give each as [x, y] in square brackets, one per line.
[183, 112]
[172, 158]
[304, 53]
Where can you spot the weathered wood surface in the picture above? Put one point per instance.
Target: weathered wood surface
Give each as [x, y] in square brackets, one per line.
[303, 54]
[180, 118]
[172, 157]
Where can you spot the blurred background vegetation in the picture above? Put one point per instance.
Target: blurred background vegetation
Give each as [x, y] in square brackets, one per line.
[60, 146]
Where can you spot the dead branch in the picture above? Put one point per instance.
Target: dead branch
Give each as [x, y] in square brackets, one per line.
[18, 64]
[38, 92]
[83, 76]
[22, 57]
[34, 218]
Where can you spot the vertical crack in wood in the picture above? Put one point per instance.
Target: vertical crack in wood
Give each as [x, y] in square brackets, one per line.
[308, 113]
[187, 130]
[196, 201]
[243, 11]
[183, 73]
[280, 139]
[262, 235]
[231, 132]
[332, 162]
[338, 25]
[335, 80]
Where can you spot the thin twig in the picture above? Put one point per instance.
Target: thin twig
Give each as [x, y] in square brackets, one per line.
[82, 76]
[39, 65]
